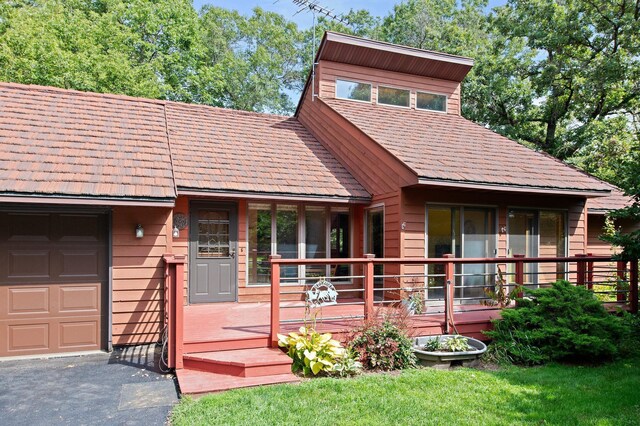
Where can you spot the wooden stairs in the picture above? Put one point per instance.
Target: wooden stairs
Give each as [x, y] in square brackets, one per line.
[219, 366]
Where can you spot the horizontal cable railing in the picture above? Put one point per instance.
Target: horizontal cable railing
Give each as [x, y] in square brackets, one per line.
[446, 287]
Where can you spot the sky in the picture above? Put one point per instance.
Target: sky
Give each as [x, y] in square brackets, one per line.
[304, 19]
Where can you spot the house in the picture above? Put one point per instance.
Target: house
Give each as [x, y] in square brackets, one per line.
[96, 188]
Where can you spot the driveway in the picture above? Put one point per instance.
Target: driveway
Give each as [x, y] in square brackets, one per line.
[121, 388]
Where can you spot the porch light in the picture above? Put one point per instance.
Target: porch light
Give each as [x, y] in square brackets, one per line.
[176, 232]
[139, 231]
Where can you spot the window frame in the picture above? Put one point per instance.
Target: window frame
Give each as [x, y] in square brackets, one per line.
[302, 243]
[396, 88]
[446, 102]
[356, 82]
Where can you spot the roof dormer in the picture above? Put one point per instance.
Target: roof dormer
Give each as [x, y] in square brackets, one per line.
[385, 74]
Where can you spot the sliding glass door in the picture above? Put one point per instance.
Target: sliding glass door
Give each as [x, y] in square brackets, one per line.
[467, 232]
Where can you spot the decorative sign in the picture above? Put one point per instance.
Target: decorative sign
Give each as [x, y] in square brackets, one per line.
[323, 293]
[180, 221]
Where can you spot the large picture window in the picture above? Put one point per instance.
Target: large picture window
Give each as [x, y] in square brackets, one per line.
[310, 232]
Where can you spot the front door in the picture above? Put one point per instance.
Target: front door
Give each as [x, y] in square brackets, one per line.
[213, 243]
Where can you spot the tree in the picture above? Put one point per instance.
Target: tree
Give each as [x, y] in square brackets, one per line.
[249, 62]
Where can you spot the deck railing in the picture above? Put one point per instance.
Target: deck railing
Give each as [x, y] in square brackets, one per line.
[440, 286]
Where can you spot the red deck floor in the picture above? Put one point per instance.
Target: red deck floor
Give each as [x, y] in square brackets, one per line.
[238, 321]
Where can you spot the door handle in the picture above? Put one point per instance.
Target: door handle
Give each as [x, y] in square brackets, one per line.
[232, 253]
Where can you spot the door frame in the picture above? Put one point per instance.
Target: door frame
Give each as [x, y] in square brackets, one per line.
[234, 210]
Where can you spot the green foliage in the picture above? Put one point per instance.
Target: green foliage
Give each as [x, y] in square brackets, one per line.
[383, 344]
[560, 323]
[433, 345]
[346, 366]
[313, 353]
[456, 344]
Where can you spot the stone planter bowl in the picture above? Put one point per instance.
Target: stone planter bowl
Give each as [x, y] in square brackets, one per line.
[445, 359]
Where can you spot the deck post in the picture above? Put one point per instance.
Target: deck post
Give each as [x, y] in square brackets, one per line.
[581, 270]
[368, 286]
[449, 293]
[633, 285]
[275, 300]
[621, 269]
[519, 278]
[179, 305]
[590, 272]
[174, 308]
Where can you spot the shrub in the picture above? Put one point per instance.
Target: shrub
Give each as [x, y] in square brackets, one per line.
[346, 366]
[560, 323]
[312, 352]
[383, 344]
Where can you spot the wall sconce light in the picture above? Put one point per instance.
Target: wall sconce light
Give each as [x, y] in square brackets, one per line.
[176, 232]
[139, 231]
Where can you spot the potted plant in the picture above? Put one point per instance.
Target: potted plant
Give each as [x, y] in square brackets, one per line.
[444, 351]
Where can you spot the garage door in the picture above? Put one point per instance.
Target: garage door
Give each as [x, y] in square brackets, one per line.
[53, 278]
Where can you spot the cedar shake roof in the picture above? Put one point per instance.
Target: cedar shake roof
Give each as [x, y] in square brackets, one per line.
[59, 142]
[63, 143]
[227, 150]
[615, 201]
[448, 149]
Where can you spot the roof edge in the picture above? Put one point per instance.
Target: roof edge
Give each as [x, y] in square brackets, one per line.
[7, 197]
[273, 195]
[588, 193]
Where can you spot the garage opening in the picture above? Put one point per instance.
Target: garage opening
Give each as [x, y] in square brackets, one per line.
[53, 282]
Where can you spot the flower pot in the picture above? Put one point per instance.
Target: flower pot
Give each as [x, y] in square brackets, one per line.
[444, 359]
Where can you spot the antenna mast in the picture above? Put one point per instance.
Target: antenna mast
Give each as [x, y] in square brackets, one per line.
[313, 7]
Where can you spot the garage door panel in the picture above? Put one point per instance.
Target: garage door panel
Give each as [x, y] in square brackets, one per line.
[81, 263]
[84, 299]
[29, 227]
[81, 228]
[81, 335]
[22, 301]
[24, 338]
[28, 264]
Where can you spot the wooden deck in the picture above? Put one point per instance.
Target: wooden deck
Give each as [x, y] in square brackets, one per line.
[228, 322]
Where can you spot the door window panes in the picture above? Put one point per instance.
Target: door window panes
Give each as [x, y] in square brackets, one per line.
[259, 243]
[213, 234]
[375, 242]
[552, 244]
[393, 96]
[339, 237]
[287, 237]
[315, 239]
[353, 90]
[523, 239]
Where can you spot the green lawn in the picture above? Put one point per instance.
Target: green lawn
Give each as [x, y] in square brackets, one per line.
[555, 394]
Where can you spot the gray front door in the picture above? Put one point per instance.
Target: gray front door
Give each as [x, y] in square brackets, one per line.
[213, 243]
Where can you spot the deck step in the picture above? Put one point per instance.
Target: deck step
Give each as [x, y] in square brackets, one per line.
[195, 383]
[225, 345]
[253, 362]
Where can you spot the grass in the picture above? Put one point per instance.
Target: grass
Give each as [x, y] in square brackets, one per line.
[553, 394]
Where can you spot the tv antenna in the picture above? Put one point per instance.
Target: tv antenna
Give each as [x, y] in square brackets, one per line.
[315, 8]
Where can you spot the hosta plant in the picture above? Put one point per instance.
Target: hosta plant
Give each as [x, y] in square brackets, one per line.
[457, 344]
[312, 352]
[346, 366]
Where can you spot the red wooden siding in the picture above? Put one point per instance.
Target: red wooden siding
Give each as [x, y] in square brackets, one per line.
[328, 72]
[138, 273]
[377, 170]
[595, 228]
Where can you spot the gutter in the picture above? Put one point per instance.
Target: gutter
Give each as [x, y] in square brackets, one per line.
[85, 200]
[272, 196]
[514, 188]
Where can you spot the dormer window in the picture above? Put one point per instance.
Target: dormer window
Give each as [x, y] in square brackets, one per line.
[431, 101]
[394, 96]
[353, 90]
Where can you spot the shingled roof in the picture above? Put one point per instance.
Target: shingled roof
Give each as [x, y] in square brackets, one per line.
[223, 150]
[67, 143]
[64, 143]
[451, 150]
[615, 201]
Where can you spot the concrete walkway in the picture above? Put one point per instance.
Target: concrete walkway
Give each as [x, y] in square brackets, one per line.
[121, 388]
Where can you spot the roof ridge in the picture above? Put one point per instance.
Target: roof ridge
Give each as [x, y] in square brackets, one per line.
[129, 98]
